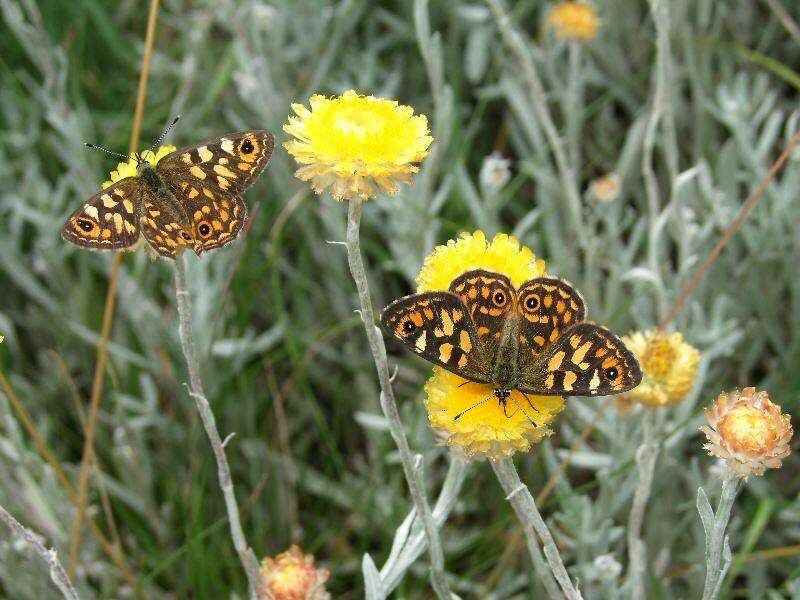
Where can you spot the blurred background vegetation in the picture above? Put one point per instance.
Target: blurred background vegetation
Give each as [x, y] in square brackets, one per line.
[689, 125]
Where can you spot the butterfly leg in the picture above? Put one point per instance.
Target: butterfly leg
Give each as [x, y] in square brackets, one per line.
[519, 408]
[504, 404]
[529, 400]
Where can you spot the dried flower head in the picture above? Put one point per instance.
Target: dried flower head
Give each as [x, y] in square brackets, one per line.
[486, 430]
[747, 431]
[606, 188]
[292, 575]
[669, 367]
[130, 168]
[355, 145]
[495, 173]
[574, 21]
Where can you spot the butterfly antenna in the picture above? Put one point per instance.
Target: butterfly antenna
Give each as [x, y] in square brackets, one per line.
[522, 411]
[106, 150]
[165, 132]
[461, 414]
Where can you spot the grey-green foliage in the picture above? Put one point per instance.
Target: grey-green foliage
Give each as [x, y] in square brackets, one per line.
[285, 363]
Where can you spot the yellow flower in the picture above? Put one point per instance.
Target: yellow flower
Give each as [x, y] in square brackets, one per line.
[485, 430]
[574, 21]
[669, 367]
[292, 576]
[471, 251]
[130, 168]
[356, 145]
[747, 431]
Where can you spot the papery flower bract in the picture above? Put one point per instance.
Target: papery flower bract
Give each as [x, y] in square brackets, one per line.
[355, 145]
[669, 367]
[130, 168]
[574, 21]
[292, 575]
[495, 173]
[485, 430]
[747, 431]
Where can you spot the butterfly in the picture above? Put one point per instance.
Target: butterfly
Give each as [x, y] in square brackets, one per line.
[534, 339]
[189, 199]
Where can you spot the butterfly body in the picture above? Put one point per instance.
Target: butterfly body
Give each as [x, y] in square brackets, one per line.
[188, 199]
[534, 339]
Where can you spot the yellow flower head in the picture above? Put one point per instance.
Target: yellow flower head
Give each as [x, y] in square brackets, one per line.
[574, 21]
[747, 431]
[485, 430]
[292, 576]
[355, 145]
[669, 367]
[131, 168]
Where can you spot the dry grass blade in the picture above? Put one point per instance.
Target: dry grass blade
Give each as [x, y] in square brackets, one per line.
[730, 231]
[108, 310]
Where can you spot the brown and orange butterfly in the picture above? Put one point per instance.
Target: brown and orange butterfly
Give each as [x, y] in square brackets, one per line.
[189, 199]
[534, 339]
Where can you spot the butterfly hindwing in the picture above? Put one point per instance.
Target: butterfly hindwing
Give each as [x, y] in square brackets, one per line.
[435, 325]
[547, 307]
[585, 360]
[109, 220]
[164, 225]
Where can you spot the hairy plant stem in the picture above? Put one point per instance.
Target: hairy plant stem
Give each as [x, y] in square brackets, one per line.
[108, 310]
[246, 555]
[57, 572]
[388, 403]
[716, 568]
[533, 524]
[637, 550]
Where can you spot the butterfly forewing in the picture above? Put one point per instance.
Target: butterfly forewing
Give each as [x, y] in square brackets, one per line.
[586, 360]
[109, 220]
[435, 325]
[547, 306]
[225, 166]
[489, 298]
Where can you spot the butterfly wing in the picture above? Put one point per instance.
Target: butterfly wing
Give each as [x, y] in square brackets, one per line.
[436, 326]
[585, 360]
[109, 220]
[163, 226]
[489, 299]
[207, 179]
[547, 307]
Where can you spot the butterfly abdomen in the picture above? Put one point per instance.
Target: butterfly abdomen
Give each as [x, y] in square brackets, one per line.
[505, 369]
